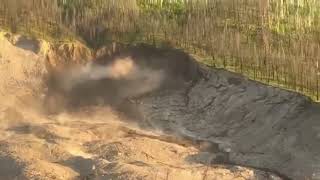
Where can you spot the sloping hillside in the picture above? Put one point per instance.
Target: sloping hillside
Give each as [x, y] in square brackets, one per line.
[145, 113]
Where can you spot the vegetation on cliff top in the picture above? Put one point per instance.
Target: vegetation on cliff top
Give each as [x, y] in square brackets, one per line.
[272, 41]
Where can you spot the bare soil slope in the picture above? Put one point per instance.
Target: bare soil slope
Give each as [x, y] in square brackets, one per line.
[144, 113]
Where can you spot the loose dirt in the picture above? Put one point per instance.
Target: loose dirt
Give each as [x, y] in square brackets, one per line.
[145, 113]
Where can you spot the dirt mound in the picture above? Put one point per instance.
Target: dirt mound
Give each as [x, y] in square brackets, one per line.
[21, 74]
[145, 113]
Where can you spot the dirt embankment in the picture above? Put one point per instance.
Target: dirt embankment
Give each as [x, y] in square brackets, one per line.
[145, 113]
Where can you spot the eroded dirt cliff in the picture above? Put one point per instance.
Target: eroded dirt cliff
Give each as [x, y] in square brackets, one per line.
[145, 113]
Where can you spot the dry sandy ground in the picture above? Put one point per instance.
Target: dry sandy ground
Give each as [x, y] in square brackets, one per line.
[136, 119]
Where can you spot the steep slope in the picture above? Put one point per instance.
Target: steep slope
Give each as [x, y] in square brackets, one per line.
[252, 124]
[145, 113]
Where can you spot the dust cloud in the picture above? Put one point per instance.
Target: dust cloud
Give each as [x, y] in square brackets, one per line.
[85, 140]
[136, 79]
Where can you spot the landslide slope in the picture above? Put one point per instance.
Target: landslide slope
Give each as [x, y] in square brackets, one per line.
[145, 113]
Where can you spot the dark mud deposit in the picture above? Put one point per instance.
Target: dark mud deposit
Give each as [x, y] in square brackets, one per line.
[146, 113]
[231, 119]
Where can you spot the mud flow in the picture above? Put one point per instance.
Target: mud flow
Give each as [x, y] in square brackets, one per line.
[145, 113]
[117, 79]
